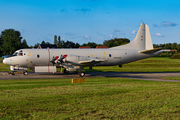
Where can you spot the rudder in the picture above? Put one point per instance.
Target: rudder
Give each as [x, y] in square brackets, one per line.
[142, 41]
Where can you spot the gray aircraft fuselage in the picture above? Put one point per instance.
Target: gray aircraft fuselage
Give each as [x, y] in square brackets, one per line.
[76, 59]
[42, 57]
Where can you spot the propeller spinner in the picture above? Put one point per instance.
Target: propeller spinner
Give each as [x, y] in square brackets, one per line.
[58, 59]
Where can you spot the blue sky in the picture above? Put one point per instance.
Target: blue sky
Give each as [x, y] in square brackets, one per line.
[86, 21]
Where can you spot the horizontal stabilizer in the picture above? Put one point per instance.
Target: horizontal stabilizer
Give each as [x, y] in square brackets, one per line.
[150, 51]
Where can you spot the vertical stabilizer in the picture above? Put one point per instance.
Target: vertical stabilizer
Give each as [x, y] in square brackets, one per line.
[148, 40]
[142, 41]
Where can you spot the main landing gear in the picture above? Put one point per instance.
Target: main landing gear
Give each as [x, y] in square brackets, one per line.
[80, 73]
[25, 73]
[66, 71]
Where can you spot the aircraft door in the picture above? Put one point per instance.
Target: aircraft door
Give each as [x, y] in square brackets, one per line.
[28, 60]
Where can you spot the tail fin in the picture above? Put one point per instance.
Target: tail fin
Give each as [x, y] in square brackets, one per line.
[142, 41]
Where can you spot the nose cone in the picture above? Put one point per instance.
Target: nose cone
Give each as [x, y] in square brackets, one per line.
[7, 61]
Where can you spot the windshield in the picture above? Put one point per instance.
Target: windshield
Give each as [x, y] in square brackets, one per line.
[15, 54]
[18, 53]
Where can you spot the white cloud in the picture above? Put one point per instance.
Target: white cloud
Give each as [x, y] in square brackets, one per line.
[86, 37]
[168, 24]
[98, 33]
[133, 32]
[62, 38]
[116, 30]
[111, 35]
[159, 35]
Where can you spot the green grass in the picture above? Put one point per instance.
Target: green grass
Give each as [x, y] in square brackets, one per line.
[155, 64]
[98, 98]
[172, 78]
[177, 56]
[4, 67]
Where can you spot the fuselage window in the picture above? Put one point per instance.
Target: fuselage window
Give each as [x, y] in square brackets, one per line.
[109, 55]
[20, 54]
[38, 56]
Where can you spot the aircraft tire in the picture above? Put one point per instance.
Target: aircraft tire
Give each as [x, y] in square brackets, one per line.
[82, 74]
[25, 73]
[65, 71]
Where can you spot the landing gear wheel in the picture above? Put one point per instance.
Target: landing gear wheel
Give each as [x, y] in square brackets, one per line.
[82, 74]
[65, 71]
[25, 73]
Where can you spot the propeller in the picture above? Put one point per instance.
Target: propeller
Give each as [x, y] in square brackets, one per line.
[58, 59]
[53, 60]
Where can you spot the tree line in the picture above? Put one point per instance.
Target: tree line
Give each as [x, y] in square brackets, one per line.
[173, 46]
[69, 44]
[11, 40]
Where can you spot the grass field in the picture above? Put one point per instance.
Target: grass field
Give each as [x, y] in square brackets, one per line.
[172, 78]
[3, 67]
[155, 64]
[98, 98]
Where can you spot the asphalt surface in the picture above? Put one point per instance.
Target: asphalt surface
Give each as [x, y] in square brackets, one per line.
[155, 76]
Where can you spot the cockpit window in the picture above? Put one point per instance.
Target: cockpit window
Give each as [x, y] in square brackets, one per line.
[15, 54]
[18, 53]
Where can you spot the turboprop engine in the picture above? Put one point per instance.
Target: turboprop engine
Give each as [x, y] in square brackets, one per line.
[74, 68]
[58, 59]
[79, 60]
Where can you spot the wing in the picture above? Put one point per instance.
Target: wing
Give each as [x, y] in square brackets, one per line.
[82, 60]
[92, 61]
[76, 60]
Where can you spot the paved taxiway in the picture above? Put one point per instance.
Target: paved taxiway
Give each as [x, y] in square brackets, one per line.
[155, 76]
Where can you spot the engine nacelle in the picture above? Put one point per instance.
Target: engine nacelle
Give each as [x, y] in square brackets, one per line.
[75, 59]
[74, 68]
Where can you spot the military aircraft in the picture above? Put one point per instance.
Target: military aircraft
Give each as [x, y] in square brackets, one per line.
[76, 59]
